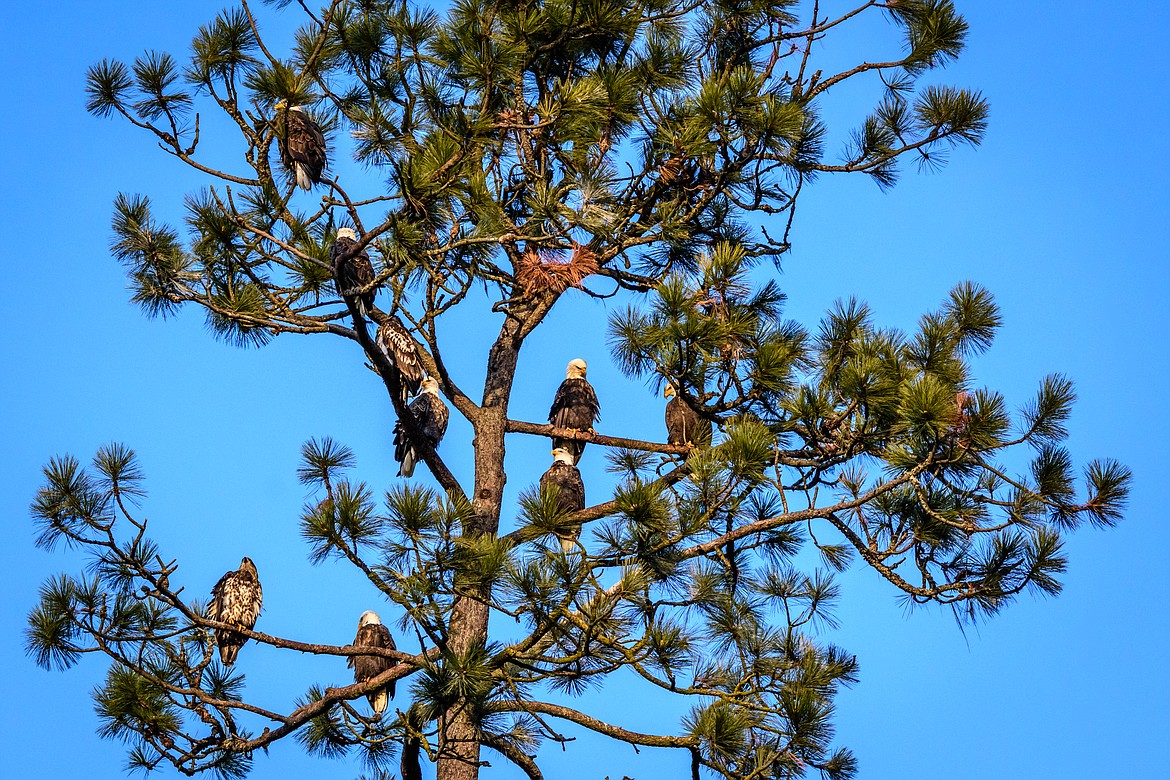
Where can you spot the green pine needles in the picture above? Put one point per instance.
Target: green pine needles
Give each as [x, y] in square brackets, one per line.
[510, 154]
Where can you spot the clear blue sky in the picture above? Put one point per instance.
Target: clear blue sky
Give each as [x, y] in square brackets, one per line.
[1061, 213]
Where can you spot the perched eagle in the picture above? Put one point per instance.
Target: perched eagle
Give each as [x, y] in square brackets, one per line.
[394, 341]
[563, 479]
[235, 599]
[352, 270]
[430, 415]
[683, 424]
[301, 144]
[371, 633]
[575, 406]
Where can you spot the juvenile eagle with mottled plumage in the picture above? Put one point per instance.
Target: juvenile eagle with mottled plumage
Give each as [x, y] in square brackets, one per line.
[564, 480]
[575, 406]
[352, 270]
[683, 424]
[394, 341]
[371, 633]
[301, 144]
[430, 415]
[235, 599]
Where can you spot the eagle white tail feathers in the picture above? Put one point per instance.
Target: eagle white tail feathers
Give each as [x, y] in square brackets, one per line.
[409, 458]
[567, 544]
[378, 700]
[304, 180]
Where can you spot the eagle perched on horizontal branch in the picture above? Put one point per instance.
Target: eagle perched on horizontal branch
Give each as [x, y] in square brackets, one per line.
[575, 406]
[352, 270]
[235, 599]
[430, 415]
[371, 633]
[683, 424]
[301, 144]
[564, 480]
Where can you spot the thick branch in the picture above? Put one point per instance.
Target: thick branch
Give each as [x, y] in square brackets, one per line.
[600, 726]
[518, 426]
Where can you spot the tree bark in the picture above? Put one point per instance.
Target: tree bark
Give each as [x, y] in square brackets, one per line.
[460, 742]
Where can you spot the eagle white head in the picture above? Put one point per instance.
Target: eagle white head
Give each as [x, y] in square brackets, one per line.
[561, 455]
[347, 233]
[576, 369]
[669, 391]
[369, 618]
[429, 385]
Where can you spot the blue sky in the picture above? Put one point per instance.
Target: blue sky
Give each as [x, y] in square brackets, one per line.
[1059, 213]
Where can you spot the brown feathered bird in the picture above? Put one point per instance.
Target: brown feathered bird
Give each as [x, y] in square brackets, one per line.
[564, 479]
[430, 415]
[394, 341]
[352, 270]
[235, 599]
[683, 424]
[371, 633]
[301, 144]
[575, 406]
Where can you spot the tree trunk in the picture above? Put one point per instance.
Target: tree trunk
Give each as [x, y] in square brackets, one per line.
[460, 747]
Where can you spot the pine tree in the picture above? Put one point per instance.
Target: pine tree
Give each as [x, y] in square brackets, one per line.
[515, 153]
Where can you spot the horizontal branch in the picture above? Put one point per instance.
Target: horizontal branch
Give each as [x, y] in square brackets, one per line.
[315, 649]
[332, 696]
[518, 426]
[593, 724]
[597, 511]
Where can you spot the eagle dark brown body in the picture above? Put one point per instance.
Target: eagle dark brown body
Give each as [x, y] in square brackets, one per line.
[302, 145]
[352, 270]
[235, 599]
[574, 406]
[431, 415]
[684, 425]
[564, 479]
[371, 633]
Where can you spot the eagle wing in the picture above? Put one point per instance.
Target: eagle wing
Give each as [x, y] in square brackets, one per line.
[351, 270]
[574, 406]
[237, 598]
[569, 487]
[431, 415]
[565, 481]
[684, 425]
[367, 666]
[303, 143]
[394, 341]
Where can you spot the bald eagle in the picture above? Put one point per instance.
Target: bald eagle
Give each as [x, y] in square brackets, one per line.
[301, 144]
[352, 270]
[235, 599]
[430, 414]
[371, 633]
[575, 406]
[394, 341]
[683, 424]
[564, 480]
